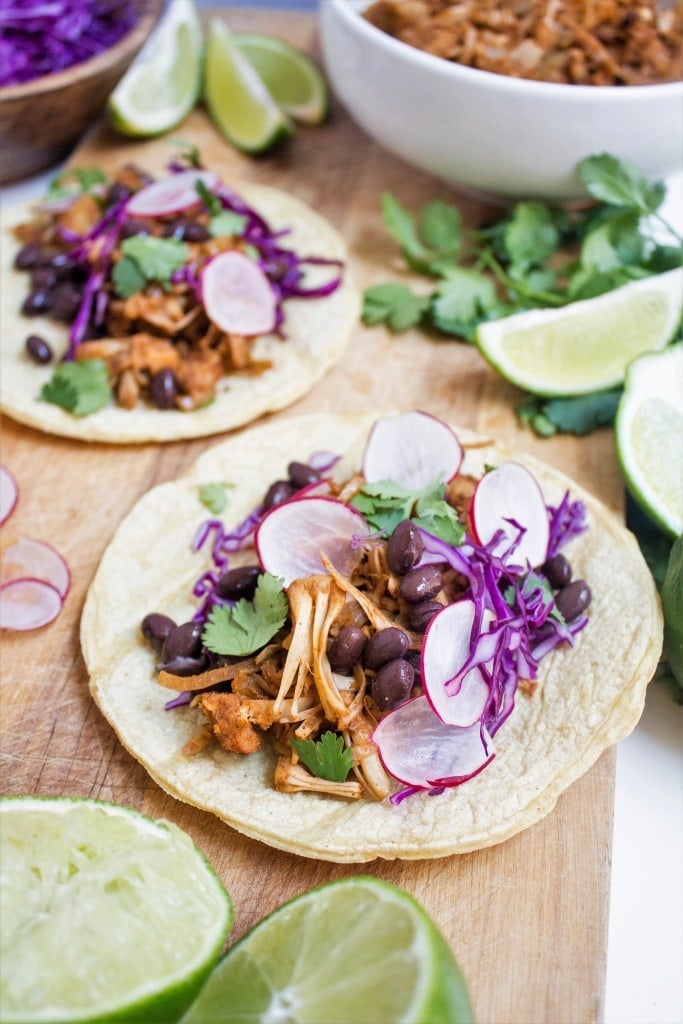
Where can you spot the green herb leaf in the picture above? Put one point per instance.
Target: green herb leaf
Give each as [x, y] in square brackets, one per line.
[385, 504]
[189, 154]
[328, 758]
[441, 228]
[249, 625]
[75, 182]
[462, 300]
[531, 236]
[154, 258]
[79, 387]
[226, 224]
[214, 496]
[127, 278]
[576, 415]
[436, 516]
[620, 183]
[395, 304]
[211, 202]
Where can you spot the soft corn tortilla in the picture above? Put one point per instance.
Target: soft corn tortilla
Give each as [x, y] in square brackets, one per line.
[317, 332]
[588, 697]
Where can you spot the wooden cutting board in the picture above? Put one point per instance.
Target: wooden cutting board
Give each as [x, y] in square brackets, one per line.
[527, 919]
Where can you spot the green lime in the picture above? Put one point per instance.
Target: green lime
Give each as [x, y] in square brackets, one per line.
[587, 345]
[164, 82]
[672, 606]
[357, 951]
[649, 435]
[106, 915]
[237, 98]
[293, 80]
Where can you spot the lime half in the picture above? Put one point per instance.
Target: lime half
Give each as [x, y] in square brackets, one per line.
[649, 436]
[356, 951]
[106, 914]
[164, 82]
[293, 80]
[584, 346]
[238, 101]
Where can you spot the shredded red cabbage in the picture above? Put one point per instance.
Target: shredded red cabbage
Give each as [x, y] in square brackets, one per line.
[39, 37]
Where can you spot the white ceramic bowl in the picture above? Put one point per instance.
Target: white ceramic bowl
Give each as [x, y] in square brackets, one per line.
[492, 133]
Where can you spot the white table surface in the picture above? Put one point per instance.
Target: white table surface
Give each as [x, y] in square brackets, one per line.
[645, 947]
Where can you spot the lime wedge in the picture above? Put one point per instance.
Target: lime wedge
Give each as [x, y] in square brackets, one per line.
[584, 346]
[237, 98]
[164, 82]
[293, 80]
[355, 950]
[105, 914]
[649, 436]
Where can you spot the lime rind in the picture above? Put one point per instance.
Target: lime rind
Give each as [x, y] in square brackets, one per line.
[238, 100]
[145, 915]
[649, 436]
[293, 79]
[356, 949]
[585, 346]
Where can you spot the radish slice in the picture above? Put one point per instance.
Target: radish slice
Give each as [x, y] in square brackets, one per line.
[170, 195]
[507, 499]
[28, 604]
[291, 536]
[446, 647]
[412, 449]
[417, 748]
[37, 560]
[9, 493]
[237, 295]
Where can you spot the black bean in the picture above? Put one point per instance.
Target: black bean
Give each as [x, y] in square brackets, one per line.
[132, 227]
[163, 389]
[392, 684]
[66, 301]
[421, 584]
[346, 649]
[195, 232]
[405, 547]
[301, 475]
[184, 666]
[155, 628]
[38, 349]
[557, 571]
[384, 646]
[43, 278]
[239, 582]
[573, 599]
[36, 303]
[422, 613]
[278, 492]
[27, 256]
[414, 658]
[184, 641]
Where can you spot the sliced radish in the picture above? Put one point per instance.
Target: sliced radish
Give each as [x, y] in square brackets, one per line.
[291, 536]
[317, 489]
[447, 645]
[170, 195]
[9, 493]
[237, 295]
[412, 449]
[418, 749]
[28, 604]
[509, 499]
[35, 559]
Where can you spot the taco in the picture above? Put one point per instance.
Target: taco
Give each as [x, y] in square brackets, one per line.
[153, 310]
[220, 647]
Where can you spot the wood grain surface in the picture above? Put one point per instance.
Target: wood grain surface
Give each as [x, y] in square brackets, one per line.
[527, 919]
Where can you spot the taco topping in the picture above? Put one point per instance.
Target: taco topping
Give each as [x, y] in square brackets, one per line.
[382, 635]
[165, 285]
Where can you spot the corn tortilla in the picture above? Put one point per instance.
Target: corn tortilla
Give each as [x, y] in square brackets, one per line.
[588, 697]
[317, 331]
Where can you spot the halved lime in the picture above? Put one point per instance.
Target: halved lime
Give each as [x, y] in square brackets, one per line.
[237, 98]
[292, 78]
[106, 914]
[649, 436]
[584, 346]
[355, 951]
[164, 82]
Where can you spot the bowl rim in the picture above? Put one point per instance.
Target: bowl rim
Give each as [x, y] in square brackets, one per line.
[151, 11]
[350, 11]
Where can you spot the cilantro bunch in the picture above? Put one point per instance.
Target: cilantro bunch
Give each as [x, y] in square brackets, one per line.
[535, 255]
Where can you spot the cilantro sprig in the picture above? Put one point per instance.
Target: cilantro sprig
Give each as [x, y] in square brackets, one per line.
[79, 387]
[385, 504]
[147, 258]
[536, 255]
[248, 625]
[214, 496]
[328, 758]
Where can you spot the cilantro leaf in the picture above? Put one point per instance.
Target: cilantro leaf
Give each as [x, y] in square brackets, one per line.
[439, 518]
[249, 625]
[620, 183]
[214, 496]
[75, 182]
[462, 300]
[155, 259]
[211, 202]
[79, 387]
[227, 223]
[580, 414]
[328, 758]
[394, 303]
[127, 277]
[385, 504]
[441, 227]
[531, 235]
[440, 224]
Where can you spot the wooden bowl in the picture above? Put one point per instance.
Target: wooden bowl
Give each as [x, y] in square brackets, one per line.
[41, 120]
